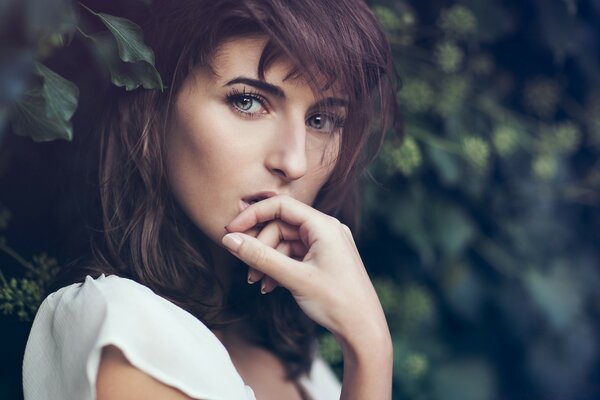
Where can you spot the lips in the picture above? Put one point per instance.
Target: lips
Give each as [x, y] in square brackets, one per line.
[255, 198]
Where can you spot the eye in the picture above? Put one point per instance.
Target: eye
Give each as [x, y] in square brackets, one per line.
[248, 104]
[324, 122]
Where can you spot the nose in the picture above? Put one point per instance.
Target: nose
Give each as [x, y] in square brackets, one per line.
[287, 156]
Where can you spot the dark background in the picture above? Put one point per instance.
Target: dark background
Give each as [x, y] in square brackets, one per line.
[480, 226]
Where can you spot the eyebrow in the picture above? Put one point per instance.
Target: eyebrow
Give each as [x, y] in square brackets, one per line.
[262, 85]
[278, 92]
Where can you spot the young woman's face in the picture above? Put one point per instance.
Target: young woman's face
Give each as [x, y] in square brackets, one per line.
[236, 139]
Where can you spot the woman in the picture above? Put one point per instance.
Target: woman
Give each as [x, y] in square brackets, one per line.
[251, 159]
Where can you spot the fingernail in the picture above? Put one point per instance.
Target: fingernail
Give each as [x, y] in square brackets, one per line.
[250, 281]
[232, 241]
[262, 288]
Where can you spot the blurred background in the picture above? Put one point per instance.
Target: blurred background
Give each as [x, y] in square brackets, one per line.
[481, 221]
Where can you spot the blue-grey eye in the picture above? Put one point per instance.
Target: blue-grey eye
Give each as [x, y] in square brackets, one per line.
[322, 122]
[246, 103]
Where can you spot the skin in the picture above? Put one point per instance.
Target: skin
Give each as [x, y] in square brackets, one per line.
[222, 150]
[217, 155]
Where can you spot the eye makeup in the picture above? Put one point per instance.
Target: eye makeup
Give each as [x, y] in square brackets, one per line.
[251, 104]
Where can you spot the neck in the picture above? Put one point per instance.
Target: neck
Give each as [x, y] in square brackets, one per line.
[226, 266]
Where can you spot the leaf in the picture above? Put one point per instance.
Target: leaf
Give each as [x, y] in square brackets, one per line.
[130, 39]
[446, 165]
[557, 293]
[63, 93]
[406, 219]
[127, 45]
[451, 228]
[44, 112]
[129, 74]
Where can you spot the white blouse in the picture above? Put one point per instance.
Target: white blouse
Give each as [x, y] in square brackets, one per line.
[161, 339]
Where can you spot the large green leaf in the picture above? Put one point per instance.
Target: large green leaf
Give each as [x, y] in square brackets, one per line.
[123, 51]
[131, 75]
[63, 93]
[130, 39]
[44, 112]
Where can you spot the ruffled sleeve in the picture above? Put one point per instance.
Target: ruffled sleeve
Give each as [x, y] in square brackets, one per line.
[321, 383]
[159, 338]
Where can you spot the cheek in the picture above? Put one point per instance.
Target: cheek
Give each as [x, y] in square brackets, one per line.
[329, 156]
[204, 141]
[324, 159]
[332, 151]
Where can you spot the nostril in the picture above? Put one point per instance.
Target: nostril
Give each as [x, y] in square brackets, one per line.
[279, 172]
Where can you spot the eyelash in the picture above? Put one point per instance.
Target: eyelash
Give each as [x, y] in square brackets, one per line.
[235, 95]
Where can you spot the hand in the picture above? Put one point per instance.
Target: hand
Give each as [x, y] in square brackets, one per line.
[329, 281]
[270, 235]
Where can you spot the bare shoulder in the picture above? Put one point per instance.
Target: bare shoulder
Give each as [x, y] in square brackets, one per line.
[118, 379]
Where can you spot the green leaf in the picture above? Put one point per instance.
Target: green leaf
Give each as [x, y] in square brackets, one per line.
[130, 39]
[446, 164]
[451, 228]
[557, 293]
[129, 60]
[44, 112]
[63, 93]
[131, 75]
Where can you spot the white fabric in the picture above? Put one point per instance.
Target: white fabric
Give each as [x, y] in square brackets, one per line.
[159, 338]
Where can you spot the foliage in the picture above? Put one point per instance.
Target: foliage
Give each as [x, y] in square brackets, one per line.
[486, 195]
[43, 109]
[479, 226]
[23, 296]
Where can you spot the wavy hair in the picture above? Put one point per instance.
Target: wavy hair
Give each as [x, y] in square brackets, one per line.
[146, 237]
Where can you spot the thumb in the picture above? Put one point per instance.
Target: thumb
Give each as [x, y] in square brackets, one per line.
[267, 260]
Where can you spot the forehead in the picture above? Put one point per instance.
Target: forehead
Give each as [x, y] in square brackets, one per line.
[238, 55]
[241, 56]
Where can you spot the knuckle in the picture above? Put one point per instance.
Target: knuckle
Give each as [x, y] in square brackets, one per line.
[334, 221]
[258, 257]
[346, 229]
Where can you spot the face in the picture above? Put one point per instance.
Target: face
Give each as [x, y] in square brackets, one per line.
[236, 139]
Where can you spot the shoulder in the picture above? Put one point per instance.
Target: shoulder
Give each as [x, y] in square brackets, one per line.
[118, 379]
[74, 324]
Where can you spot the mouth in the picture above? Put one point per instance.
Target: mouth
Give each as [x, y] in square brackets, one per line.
[255, 198]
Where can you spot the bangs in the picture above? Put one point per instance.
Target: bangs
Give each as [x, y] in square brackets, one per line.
[318, 79]
[332, 45]
[327, 52]
[344, 50]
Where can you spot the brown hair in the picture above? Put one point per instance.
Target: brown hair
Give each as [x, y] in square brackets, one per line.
[147, 237]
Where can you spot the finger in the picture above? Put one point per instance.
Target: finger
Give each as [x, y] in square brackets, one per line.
[280, 207]
[285, 248]
[297, 249]
[285, 270]
[253, 275]
[273, 235]
[269, 284]
[276, 232]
